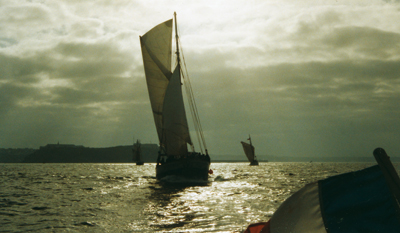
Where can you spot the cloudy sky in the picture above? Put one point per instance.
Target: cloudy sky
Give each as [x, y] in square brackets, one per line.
[304, 78]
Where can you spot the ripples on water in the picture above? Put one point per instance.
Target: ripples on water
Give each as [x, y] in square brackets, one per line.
[128, 198]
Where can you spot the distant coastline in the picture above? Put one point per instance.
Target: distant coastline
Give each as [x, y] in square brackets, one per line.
[70, 153]
[14, 155]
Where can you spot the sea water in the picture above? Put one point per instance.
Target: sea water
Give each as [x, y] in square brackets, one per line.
[128, 198]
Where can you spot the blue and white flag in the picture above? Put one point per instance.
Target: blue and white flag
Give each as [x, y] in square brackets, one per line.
[358, 201]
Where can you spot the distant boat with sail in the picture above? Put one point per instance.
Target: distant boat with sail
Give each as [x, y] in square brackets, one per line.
[249, 151]
[165, 91]
[137, 153]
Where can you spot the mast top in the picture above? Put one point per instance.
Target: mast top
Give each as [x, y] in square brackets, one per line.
[177, 38]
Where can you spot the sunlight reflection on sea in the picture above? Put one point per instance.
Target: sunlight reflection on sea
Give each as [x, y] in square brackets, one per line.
[128, 198]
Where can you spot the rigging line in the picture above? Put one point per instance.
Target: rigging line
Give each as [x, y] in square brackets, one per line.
[192, 104]
[194, 118]
[195, 110]
[178, 61]
[197, 117]
[190, 95]
[196, 113]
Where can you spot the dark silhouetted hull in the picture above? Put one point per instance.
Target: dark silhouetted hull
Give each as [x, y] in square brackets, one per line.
[187, 168]
[254, 163]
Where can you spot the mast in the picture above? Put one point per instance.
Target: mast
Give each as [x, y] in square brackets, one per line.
[176, 39]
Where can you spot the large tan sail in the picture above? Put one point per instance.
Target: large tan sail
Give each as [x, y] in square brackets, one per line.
[156, 47]
[165, 90]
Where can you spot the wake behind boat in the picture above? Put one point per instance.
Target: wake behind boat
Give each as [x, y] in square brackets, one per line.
[249, 151]
[168, 108]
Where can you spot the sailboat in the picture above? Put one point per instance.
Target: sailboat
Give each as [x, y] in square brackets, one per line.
[137, 153]
[249, 151]
[165, 91]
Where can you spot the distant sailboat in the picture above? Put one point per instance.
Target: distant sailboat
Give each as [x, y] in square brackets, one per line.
[137, 153]
[168, 108]
[249, 151]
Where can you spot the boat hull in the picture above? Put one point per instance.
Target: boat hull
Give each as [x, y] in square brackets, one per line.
[254, 163]
[187, 168]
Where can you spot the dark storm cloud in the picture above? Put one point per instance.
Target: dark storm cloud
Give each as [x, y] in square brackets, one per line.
[87, 67]
[16, 76]
[370, 42]
[313, 101]
[68, 90]
[19, 69]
